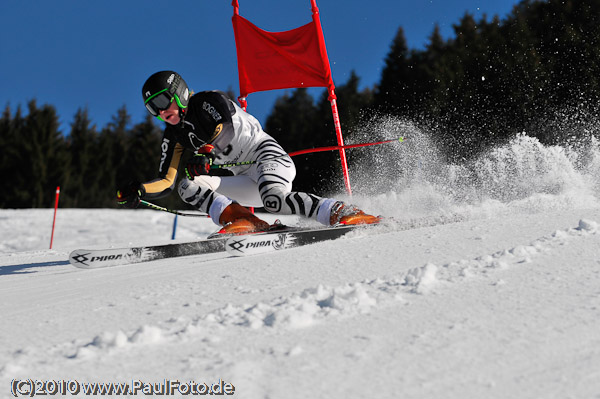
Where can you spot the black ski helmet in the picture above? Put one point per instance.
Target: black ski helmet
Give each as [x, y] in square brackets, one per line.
[171, 84]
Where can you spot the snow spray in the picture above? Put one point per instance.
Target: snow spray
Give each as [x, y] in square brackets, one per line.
[521, 175]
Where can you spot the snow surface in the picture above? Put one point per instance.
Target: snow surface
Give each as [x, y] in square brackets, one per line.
[488, 287]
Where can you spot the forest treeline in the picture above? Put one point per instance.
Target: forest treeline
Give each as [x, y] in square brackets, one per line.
[535, 70]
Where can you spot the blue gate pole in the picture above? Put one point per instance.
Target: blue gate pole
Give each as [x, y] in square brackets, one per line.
[174, 227]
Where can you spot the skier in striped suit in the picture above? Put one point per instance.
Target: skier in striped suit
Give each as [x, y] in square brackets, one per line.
[218, 131]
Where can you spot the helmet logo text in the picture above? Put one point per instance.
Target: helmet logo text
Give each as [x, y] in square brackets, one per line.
[212, 111]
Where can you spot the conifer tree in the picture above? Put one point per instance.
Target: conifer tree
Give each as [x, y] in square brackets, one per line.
[41, 164]
[9, 131]
[82, 189]
[113, 147]
[391, 96]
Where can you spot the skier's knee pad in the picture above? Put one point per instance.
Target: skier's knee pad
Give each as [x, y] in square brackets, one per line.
[191, 191]
[200, 194]
[274, 199]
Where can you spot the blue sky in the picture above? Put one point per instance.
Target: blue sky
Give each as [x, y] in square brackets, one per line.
[97, 54]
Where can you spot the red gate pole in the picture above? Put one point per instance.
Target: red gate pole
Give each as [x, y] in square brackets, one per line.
[340, 140]
[332, 97]
[54, 220]
[242, 97]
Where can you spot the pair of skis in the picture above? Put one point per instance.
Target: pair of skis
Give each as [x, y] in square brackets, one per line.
[241, 245]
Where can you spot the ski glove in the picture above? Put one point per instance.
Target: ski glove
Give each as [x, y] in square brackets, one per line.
[130, 195]
[201, 162]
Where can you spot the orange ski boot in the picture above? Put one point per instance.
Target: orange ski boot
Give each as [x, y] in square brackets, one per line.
[345, 214]
[237, 220]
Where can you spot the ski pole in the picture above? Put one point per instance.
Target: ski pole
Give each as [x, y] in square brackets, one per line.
[162, 208]
[339, 147]
[291, 154]
[308, 151]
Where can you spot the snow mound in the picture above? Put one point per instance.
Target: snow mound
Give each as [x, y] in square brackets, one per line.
[588, 225]
[300, 310]
[422, 278]
[107, 341]
[520, 254]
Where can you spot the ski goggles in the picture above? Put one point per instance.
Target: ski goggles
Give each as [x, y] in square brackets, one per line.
[159, 102]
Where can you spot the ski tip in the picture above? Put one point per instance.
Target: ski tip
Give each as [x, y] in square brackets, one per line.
[80, 258]
[95, 259]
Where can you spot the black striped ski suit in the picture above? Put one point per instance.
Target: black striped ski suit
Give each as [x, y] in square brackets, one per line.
[238, 137]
